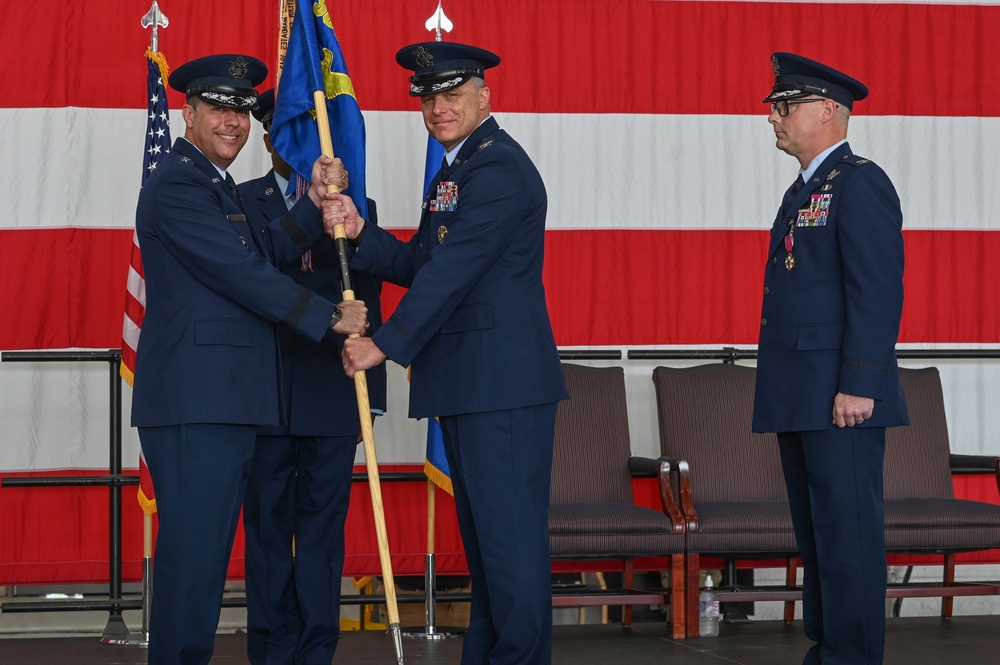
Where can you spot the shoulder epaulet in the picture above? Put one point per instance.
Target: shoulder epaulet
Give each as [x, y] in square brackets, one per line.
[857, 160]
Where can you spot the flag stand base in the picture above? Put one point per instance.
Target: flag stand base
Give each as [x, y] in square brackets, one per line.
[136, 639]
[430, 631]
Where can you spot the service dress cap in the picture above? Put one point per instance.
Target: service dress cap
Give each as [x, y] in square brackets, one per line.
[440, 66]
[795, 77]
[223, 80]
[265, 109]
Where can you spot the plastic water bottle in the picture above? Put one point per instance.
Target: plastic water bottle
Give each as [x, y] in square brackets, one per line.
[708, 611]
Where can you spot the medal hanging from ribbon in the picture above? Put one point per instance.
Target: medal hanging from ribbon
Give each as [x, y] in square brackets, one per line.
[301, 187]
[789, 244]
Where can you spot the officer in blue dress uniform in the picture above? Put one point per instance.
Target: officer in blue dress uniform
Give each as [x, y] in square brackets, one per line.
[475, 331]
[827, 377]
[300, 478]
[207, 366]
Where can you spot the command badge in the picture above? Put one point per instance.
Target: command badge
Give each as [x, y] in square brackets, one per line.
[442, 234]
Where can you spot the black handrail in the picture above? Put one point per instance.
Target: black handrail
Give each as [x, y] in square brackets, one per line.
[115, 480]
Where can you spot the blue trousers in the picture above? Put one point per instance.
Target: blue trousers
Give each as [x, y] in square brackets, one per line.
[834, 480]
[199, 473]
[300, 487]
[501, 465]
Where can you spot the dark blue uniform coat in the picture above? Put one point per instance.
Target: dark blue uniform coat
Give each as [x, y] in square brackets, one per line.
[300, 479]
[206, 375]
[830, 325]
[475, 329]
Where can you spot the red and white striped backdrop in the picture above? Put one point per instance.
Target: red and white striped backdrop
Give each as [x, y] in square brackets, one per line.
[643, 116]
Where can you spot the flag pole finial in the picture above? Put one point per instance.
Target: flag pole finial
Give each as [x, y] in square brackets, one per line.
[438, 21]
[154, 17]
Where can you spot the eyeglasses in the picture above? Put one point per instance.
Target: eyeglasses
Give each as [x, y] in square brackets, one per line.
[782, 106]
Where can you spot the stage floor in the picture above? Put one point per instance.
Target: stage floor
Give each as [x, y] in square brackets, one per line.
[909, 641]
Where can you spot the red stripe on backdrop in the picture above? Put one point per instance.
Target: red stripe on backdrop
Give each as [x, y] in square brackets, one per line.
[63, 287]
[568, 56]
[604, 288]
[672, 287]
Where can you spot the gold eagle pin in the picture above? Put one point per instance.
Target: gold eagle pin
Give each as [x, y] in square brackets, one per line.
[442, 234]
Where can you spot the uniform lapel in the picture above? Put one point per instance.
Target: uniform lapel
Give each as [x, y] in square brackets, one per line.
[789, 213]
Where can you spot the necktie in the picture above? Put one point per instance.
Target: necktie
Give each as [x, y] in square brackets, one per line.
[790, 195]
[231, 184]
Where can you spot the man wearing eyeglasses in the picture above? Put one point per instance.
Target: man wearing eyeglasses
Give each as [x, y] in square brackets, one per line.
[827, 377]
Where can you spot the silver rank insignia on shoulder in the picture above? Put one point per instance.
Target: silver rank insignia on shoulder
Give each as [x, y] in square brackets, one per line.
[216, 179]
[185, 159]
[442, 234]
[863, 161]
[833, 174]
[485, 144]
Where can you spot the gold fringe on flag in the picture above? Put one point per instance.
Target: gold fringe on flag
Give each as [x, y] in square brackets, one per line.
[148, 505]
[437, 477]
[160, 60]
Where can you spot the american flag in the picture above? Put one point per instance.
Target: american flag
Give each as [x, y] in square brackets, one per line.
[157, 145]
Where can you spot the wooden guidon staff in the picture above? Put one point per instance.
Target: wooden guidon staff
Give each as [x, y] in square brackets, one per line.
[364, 407]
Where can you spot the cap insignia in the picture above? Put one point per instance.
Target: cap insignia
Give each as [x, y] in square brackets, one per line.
[238, 67]
[775, 66]
[423, 56]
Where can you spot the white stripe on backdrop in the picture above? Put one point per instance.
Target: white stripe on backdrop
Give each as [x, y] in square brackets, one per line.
[55, 416]
[601, 171]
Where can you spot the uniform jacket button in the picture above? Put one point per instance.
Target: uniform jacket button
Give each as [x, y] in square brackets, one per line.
[763, 322]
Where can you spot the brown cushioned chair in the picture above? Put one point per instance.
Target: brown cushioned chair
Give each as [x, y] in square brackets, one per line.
[922, 515]
[592, 515]
[732, 489]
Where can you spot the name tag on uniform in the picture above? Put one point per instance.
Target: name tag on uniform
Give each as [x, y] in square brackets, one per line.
[236, 218]
[817, 212]
[447, 197]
